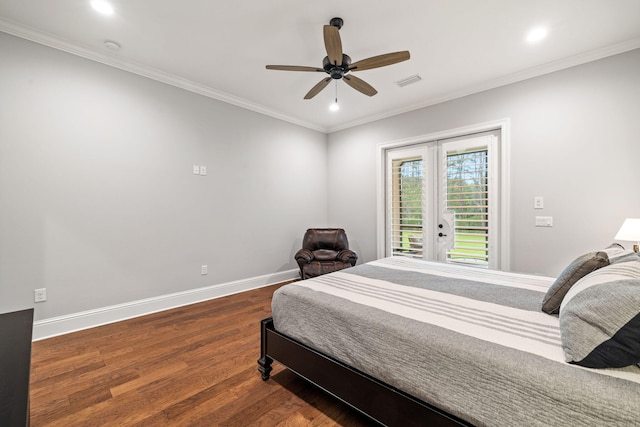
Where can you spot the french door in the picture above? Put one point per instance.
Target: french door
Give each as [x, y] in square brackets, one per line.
[442, 200]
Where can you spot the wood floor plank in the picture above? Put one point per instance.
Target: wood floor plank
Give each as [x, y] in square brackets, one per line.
[158, 372]
[190, 366]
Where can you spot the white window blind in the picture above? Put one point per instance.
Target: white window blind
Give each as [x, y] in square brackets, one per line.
[406, 217]
[467, 196]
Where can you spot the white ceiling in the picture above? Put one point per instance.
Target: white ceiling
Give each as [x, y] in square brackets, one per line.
[220, 48]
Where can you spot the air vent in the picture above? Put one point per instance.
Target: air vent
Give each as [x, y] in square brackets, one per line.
[111, 45]
[409, 80]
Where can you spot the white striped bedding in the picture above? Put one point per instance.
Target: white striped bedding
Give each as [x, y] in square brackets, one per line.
[461, 334]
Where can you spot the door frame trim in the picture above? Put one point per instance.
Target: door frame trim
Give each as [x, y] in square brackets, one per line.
[503, 125]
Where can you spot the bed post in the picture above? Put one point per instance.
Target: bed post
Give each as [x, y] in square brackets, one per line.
[264, 361]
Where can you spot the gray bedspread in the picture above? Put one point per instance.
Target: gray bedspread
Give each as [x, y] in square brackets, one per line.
[473, 342]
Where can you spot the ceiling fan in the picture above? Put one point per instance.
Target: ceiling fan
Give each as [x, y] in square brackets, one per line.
[338, 65]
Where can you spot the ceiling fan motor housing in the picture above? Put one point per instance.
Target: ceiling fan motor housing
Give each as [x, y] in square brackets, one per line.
[337, 71]
[336, 22]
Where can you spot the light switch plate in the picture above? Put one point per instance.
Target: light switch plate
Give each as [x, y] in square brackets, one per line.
[544, 221]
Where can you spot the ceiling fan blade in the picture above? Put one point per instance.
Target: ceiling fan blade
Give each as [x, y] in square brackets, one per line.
[380, 61]
[317, 88]
[333, 44]
[360, 85]
[294, 68]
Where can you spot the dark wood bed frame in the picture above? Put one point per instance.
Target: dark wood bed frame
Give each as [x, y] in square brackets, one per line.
[379, 401]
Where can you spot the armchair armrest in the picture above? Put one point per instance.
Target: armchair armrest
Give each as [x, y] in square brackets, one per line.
[347, 255]
[304, 256]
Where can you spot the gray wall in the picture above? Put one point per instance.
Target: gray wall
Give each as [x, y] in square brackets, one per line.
[575, 139]
[98, 202]
[99, 205]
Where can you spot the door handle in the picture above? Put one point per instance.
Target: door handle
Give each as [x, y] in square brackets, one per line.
[441, 235]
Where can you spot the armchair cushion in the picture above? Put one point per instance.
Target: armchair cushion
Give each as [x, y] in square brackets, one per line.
[325, 255]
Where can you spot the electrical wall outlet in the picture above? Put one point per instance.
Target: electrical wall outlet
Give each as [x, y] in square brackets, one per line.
[204, 270]
[199, 170]
[40, 295]
[538, 202]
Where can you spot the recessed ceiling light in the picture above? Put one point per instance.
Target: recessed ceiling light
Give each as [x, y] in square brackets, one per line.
[102, 7]
[536, 34]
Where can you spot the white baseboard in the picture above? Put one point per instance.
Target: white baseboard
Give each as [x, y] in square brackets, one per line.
[61, 325]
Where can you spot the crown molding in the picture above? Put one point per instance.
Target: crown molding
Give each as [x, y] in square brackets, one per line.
[550, 67]
[39, 37]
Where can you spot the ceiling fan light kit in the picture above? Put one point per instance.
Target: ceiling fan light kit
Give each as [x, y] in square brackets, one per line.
[337, 64]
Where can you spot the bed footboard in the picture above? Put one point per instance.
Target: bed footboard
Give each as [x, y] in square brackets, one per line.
[366, 394]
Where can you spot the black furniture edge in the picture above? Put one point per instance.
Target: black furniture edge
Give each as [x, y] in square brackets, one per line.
[16, 332]
[379, 401]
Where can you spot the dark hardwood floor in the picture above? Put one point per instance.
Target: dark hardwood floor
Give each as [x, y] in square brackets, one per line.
[190, 366]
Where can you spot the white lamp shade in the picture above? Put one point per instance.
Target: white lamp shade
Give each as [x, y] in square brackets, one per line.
[630, 230]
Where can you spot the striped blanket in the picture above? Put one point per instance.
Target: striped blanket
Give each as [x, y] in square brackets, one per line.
[473, 342]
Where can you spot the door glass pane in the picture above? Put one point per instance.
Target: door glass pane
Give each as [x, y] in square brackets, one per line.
[468, 198]
[406, 221]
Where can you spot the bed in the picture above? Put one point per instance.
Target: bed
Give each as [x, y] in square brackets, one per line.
[412, 342]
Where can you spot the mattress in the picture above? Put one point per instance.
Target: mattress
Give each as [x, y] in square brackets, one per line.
[473, 342]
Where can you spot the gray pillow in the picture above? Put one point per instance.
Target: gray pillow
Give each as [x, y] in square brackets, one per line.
[614, 248]
[575, 271]
[624, 256]
[600, 318]
[617, 253]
